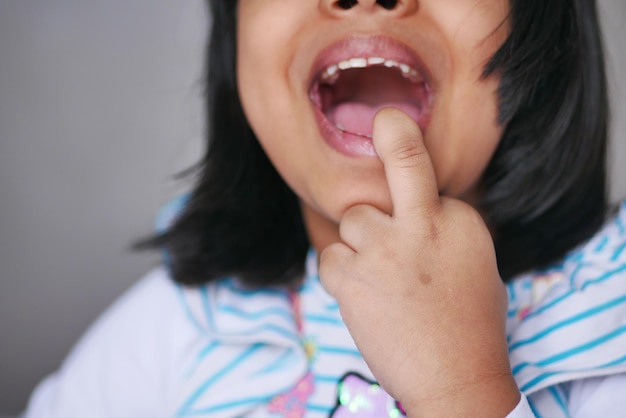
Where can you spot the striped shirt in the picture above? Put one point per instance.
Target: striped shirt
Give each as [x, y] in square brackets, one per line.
[221, 350]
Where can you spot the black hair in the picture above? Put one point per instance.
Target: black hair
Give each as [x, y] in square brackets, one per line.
[544, 190]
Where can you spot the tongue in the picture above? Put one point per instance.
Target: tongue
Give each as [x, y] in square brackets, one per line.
[357, 118]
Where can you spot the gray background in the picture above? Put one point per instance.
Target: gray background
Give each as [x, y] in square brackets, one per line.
[100, 104]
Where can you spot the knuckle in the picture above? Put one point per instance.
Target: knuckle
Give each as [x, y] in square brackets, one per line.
[358, 223]
[362, 226]
[333, 268]
[347, 230]
[433, 230]
[355, 212]
[464, 213]
[329, 257]
[349, 224]
[430, 224]
[462, 220]
[407, 152]
[427, 211]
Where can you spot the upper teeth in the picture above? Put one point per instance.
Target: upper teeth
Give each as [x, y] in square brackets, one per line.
[331, 73]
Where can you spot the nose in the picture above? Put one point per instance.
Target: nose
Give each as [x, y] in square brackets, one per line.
[343, 7]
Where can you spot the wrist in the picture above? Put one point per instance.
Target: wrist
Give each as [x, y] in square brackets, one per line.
[493, 397]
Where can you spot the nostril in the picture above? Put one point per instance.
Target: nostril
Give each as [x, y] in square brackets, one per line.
[387, 4]
[346, 4]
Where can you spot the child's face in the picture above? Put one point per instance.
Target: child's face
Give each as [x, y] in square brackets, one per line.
[314, 128]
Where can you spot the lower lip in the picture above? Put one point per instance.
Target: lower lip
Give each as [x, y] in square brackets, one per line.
[343, 142]
[352, 145]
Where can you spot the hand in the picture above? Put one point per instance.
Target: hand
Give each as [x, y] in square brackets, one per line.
[419, 288]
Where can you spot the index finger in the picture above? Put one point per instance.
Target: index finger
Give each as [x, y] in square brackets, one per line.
[408, 167]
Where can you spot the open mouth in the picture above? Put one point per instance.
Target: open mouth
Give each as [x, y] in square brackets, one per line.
[347, 95]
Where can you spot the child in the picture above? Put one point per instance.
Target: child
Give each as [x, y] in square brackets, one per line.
[407, 144]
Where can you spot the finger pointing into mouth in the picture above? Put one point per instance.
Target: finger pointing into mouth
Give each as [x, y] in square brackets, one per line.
[408, 167]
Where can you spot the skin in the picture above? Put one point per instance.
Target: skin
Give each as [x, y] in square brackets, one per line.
[397, 234]
[443, 301]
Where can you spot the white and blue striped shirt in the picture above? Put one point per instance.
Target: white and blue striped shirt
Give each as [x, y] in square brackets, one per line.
[221, 350]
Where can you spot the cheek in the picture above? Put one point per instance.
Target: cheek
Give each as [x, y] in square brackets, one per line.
[464, 136]
[253, 61]
[264, 54]
[266, 30]
[465, 130]
[471, 22]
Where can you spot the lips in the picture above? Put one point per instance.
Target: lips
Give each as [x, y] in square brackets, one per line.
[354, 78]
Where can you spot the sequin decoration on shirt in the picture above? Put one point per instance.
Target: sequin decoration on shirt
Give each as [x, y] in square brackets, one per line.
[363, 398]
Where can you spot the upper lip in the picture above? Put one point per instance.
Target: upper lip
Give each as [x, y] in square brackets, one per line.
[368, 47]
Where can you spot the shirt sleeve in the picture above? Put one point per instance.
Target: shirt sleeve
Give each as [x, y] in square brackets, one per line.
[587, 398]
[522, 410]
[125, 364]
[598, 397]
